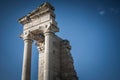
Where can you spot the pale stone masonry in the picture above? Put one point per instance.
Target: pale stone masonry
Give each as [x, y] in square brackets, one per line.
[54, 60]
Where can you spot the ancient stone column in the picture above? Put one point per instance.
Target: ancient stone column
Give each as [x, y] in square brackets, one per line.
[40, 46]
[48, 75]
[26, 69]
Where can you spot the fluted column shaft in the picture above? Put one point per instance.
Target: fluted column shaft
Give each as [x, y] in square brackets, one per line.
[47, 56]
[26, 69]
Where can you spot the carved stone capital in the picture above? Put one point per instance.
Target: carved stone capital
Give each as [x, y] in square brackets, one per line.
[27, 35]
[40, 46]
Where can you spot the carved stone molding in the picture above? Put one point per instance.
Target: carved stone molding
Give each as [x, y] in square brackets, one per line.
[30, 36]
[51, 28]
[38, 37]
[44, 8]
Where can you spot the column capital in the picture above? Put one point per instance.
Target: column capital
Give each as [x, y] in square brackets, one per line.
[27, 36]
[40, 46]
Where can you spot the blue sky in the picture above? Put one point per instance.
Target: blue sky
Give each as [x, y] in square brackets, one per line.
[91, 26]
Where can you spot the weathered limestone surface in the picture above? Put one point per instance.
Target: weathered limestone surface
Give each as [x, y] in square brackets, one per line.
[54, 60]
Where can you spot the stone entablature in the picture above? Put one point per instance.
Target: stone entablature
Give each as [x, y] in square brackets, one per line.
[40, 20]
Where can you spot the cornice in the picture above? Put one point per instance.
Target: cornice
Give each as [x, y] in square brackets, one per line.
[42, 9]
